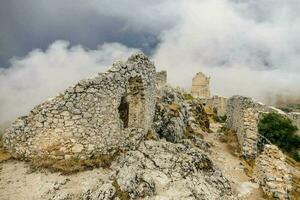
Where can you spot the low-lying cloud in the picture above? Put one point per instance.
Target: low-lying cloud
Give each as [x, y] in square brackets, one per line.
[42, 74]
[250, 48]
[247, 47]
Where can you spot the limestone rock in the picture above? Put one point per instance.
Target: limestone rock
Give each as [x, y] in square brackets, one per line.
[171, 114]
[273, 174]
[158, 168]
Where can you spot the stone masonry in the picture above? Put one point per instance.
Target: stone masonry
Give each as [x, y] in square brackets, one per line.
[273, 174]
[242, 116]
[216, 104]
[200, 86]
[99, 115]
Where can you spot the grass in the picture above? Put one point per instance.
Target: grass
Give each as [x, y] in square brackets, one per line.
[151, 135]
[187, 96]
[175, 108]
[72, 165]
[119, 193]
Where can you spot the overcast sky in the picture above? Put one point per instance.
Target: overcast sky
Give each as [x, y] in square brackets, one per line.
[248, 47]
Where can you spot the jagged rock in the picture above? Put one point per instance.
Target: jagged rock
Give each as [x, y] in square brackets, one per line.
[199, 117]
[171, 114]
[103, 192]
[158, 168]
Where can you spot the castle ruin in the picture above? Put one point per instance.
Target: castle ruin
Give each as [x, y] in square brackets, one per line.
[200, 86]
[100, 115]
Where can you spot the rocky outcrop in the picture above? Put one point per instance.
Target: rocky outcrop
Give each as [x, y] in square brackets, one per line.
[272, 173]
[175, 118]
[172, 171]
[171, 114]
[198, 119]
[99, 115]
[155, 170]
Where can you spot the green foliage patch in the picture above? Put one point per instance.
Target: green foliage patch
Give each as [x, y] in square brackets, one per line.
[281, 132]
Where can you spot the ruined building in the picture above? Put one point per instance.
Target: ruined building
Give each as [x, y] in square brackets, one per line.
[99, 115]
[200, 86]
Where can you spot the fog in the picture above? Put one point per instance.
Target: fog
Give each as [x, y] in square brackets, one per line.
[42, 74]
[250, 48]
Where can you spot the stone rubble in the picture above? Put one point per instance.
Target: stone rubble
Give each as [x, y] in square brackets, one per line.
[272, 173]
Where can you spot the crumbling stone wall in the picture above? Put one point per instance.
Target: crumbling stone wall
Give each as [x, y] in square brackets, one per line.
[161, 78]
[242, 116]
[272, 173]
[217, 104]
[200, 86]
[99, 115]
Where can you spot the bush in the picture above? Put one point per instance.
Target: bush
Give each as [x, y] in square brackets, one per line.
[187, 96]
[281, 132]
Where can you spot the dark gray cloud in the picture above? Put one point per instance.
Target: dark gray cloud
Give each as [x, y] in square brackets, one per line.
[29, 24]
[248, 47]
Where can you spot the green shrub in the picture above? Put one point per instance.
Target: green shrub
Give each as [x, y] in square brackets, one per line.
[281, 132]
[187, 96]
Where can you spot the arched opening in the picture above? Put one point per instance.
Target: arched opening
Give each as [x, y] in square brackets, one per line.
[132, 108]
[123, 111]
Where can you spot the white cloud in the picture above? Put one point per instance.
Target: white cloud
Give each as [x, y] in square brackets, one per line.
[247, 48]
[40, 75]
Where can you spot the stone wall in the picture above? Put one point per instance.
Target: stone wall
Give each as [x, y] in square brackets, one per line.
[99, 115]
[272, 173]
[200, 86]
[242, 116]
[161, 78]
[217, 105]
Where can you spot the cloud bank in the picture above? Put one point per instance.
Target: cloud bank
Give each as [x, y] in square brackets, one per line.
[42, 74]
[247, 47]
[250, 48]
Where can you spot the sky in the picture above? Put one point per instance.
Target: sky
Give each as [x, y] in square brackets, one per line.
[251, 48]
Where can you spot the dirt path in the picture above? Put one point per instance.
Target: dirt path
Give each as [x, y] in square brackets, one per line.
[232, 166]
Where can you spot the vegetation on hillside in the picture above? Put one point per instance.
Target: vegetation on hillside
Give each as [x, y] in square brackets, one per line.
[281, 132]
[290, 108]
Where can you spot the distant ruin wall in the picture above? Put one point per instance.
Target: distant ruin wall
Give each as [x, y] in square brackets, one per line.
[161, 78]
[100, 115]
[273, 174]
[217, 105]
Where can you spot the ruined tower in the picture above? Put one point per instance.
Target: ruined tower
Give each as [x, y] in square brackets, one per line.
[200, 86]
